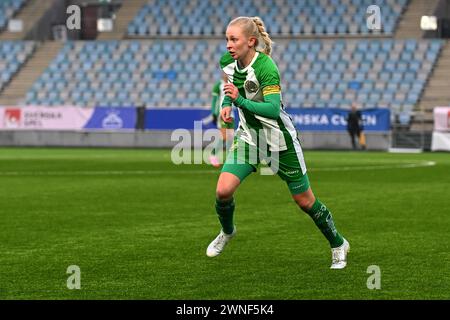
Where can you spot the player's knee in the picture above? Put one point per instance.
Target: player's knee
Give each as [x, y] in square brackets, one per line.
[224, 193]
[305, 203]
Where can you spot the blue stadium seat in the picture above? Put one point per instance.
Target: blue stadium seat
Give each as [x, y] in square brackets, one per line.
[169, 73]
[9, 61]
[315, 17]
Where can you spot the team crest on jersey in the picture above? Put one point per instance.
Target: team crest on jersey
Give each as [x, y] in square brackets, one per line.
[251, 86]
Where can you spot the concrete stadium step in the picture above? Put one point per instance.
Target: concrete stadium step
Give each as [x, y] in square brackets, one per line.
[409, 25]
[124, 16]
[428, 104]
[437, 90]
[438, 80]
[426, 127]
[30, 15]
[15, 92]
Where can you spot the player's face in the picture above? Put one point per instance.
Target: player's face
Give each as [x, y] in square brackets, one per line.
[238, 44]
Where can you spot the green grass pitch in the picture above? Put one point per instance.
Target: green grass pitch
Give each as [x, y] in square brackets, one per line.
[138, 227]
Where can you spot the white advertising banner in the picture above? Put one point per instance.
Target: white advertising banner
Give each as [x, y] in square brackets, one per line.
[68, 118]
[44, 118]
[442, 119]
[440, 141]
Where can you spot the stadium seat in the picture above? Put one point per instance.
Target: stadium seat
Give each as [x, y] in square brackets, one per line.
[168, 73]
[305, 17]
[8, 9]
[13, 54]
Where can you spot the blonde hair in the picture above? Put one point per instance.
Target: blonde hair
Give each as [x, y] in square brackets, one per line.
[254, 27]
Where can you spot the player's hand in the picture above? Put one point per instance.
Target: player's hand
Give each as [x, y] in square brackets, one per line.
[231, 91]
[225, 114]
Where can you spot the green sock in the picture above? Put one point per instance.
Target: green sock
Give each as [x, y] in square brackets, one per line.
[225, 210]
[324, 221]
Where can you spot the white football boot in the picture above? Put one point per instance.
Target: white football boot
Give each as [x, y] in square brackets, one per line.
[217, 245]
[339, 256]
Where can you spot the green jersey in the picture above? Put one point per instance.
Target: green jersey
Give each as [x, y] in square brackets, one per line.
[259, 79]
[218, 96]
[217, 93]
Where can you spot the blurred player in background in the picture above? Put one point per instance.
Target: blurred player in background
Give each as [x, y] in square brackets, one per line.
[355, 127]
[226, 128]
[255, 90]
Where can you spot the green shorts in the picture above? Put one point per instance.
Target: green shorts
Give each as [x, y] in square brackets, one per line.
[289, 165]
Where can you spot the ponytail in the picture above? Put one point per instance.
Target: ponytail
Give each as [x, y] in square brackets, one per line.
[264, 35]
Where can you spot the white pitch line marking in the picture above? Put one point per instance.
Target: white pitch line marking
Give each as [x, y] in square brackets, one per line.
[156, 172]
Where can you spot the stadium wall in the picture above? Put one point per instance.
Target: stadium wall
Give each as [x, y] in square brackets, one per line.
[55, 15]
[162, 139]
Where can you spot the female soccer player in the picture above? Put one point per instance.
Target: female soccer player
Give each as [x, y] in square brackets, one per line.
[254, 88]
[226, 128]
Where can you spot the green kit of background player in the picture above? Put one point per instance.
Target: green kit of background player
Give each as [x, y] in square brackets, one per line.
[254, 88]
[226, 128]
